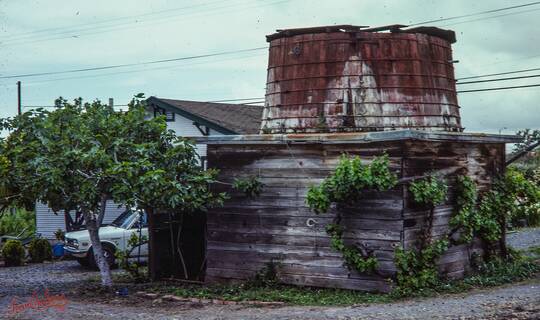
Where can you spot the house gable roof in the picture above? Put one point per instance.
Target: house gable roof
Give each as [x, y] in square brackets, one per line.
[221, 117]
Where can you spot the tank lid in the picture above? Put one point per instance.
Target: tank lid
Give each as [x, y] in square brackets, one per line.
[447, 35]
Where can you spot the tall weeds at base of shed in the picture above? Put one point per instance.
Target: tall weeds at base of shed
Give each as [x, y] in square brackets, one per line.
[133, 268]
[267, 276]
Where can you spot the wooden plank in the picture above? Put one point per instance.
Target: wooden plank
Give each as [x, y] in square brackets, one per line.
[374, 212]
[217, 257]
[351, 223]
[304, 231]
[222, 274]
[293, 240]
[332, 282]
[277, 249]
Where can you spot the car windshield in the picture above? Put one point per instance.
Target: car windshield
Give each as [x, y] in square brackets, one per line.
[124, 219]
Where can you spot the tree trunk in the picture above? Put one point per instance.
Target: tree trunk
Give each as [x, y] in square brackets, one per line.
[102, 207]
[93, 230]
[152, 259]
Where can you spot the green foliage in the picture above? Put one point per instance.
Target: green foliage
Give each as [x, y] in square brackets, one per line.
[467, 218]
[267, 276]
[429, 191]
[417, 269]
[294, 295]
[60, 235]
[14, 222]
[80, 155]
[352, 255]
[251, 186]
[349, 181]
[512, 197]
[133, 268]
[346, 185]
[529, 137]
[40, 250]
[13, 253]
[498, 271]
[494, 273]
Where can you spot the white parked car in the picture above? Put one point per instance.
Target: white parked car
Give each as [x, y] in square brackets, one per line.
[113, 237]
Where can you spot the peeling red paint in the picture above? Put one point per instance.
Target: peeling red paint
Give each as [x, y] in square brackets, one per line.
[350, 80]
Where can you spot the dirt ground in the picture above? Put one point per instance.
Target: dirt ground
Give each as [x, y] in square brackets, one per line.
[517, 301]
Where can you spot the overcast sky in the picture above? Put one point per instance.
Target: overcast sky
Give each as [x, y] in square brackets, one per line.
[43, 36]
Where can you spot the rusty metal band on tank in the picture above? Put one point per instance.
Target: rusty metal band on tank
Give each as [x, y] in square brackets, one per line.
[352, 79]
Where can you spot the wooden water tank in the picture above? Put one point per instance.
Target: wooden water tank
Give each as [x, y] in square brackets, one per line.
[350, 78]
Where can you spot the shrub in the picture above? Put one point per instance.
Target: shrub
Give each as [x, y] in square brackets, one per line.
[60, 235]
[40, 250]
[13, 253]
[13, 223]
[133, 268]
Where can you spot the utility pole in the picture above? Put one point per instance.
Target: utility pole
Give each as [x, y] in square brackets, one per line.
[19, 107]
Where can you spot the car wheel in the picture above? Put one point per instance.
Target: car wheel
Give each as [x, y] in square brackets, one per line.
[107, 252]
[83, 262]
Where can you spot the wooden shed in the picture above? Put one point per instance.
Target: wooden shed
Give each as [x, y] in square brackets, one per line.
[245, 234]
[336, 90]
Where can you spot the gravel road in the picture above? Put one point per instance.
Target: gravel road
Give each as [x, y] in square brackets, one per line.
[517, 301]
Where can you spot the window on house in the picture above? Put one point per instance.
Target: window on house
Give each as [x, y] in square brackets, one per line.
[169, 115]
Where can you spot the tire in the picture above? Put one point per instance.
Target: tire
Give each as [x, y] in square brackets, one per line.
[83, 261]
[108, 252]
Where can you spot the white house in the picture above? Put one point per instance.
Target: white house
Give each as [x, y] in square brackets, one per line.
[186, 118]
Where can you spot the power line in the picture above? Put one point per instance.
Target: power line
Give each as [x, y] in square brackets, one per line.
[25, 34]
[131, 64]
[32, 83]
[477, 13]
[498, 74]
[125, 25]
[490, 17]
[500, 79]
[500, 88]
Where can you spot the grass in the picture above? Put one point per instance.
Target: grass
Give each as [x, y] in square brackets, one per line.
[494, 273]
[281, 293]
[490, 274]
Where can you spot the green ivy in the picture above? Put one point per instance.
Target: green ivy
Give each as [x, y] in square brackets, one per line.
[352, 255]
[467, 218]
[251, 186]
[429, 191]
[346, 186]
[350, 180]
[417, 269]
[511, 197]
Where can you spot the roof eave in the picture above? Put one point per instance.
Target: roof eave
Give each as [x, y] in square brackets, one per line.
[359, 137]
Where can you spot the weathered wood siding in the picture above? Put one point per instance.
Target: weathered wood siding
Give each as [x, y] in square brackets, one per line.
[246, 233]
[481, 162]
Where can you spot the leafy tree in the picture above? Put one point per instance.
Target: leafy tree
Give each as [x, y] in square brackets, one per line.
[81, 155]
[530, 138]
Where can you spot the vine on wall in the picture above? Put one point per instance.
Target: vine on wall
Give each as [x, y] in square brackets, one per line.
[486, 217]
[251, 186]
[476, 216]
[417, 268]
[345, 186]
